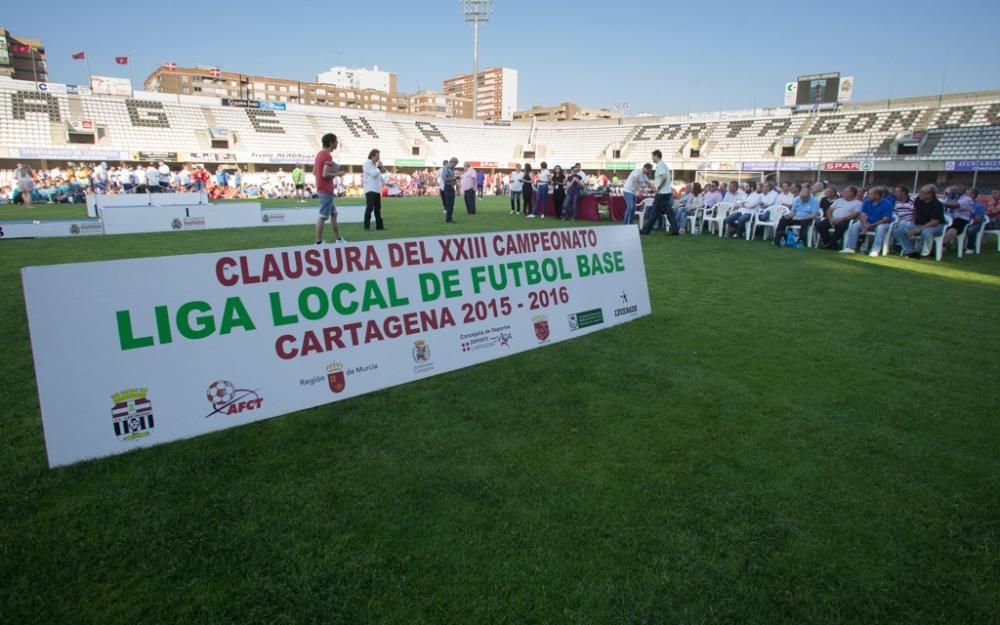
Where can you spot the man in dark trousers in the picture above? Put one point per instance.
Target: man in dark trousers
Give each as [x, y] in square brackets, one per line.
[447, 178]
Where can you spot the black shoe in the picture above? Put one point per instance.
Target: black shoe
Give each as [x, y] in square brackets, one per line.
[913, 255]
[382, 228]
[367, 229]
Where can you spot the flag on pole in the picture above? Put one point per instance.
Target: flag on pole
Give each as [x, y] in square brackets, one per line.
[121, 60]
[216, 72]
[170, 66]
[80, 56]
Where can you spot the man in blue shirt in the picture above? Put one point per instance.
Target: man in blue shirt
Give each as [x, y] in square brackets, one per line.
[805, 210]
[876, 215]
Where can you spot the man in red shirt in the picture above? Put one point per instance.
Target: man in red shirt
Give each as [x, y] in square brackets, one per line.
[325, 170]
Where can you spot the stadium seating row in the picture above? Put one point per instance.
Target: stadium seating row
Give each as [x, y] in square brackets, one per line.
[154, 123]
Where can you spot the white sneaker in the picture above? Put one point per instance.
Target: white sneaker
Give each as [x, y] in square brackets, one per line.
[873, 254]
[531, 216]
[543, 216]
[847, 251]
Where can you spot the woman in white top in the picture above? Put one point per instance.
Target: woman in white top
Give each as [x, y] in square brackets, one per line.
[541, 188]
[25, 182]
[372, 173]
[516, 182]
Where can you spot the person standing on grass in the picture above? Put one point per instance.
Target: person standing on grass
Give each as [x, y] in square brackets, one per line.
[634, 184]
[298, 179]
[663, 204]
[527, 189]
[574, 189]
[470, 179]
[447, 176]
[440, 179]
[541, 191]
[374, 178]
[326, 170]
[558, 190]
[480, 183]
[25, 183]
[516, 183]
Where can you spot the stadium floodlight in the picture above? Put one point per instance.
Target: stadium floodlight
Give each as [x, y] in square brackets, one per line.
[622, 107]
[475, 12]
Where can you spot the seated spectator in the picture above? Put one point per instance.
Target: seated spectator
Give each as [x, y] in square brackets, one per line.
[692, 203]
[786, 198]
[977, 223]
[712, 195]
[993, 211]
[805, 210]
[838, 214]
[903, 209]
[876, 215]
[928, 222]
[750, 206]
[961, 203]
[735, 195]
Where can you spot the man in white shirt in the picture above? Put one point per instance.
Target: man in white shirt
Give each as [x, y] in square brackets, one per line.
[663, 204]
[516, 185]
[749, 205]
[185, 178]
[786, 198]
[100, 178]
[152, 179]
[842, 212]
[634, 184]
[164, 177]
[373, 174]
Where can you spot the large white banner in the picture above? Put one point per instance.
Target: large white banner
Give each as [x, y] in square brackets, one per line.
[133, 353]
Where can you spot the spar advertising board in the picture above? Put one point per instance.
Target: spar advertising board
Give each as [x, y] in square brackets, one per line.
[134, 353]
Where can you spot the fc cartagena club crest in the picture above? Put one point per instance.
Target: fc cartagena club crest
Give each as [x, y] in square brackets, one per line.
[132, 414]
[226, 399]
[335, 377]
[541, 327]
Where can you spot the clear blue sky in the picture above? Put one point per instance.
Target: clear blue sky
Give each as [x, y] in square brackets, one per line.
[663, 57]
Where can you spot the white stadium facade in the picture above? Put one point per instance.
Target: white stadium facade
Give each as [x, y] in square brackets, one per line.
[949, 138]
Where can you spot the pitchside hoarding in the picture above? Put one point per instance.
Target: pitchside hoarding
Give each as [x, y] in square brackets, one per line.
[134, 353]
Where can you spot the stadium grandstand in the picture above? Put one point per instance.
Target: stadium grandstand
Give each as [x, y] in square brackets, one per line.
[928, 135]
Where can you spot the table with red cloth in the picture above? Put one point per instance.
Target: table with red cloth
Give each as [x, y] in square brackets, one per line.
[587, 207]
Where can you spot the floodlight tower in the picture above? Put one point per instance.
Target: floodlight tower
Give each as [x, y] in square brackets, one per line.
[476, 12]
[622, 108]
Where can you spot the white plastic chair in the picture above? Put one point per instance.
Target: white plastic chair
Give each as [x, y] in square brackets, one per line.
[886, 241]
[995, 233]
[777, 212]
[938, 242]
[978, 244]
[641, 208]
[716, 217]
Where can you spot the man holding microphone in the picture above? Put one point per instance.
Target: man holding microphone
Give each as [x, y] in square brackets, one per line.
[373, 173]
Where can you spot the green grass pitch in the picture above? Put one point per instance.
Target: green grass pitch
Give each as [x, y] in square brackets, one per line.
[792, 437]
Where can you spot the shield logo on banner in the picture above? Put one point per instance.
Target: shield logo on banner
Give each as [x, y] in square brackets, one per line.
[132, 415]
[541, 328]
[335, 377]
[421, 351]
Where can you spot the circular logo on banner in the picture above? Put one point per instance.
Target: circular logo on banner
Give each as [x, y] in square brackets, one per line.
[867, 166]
